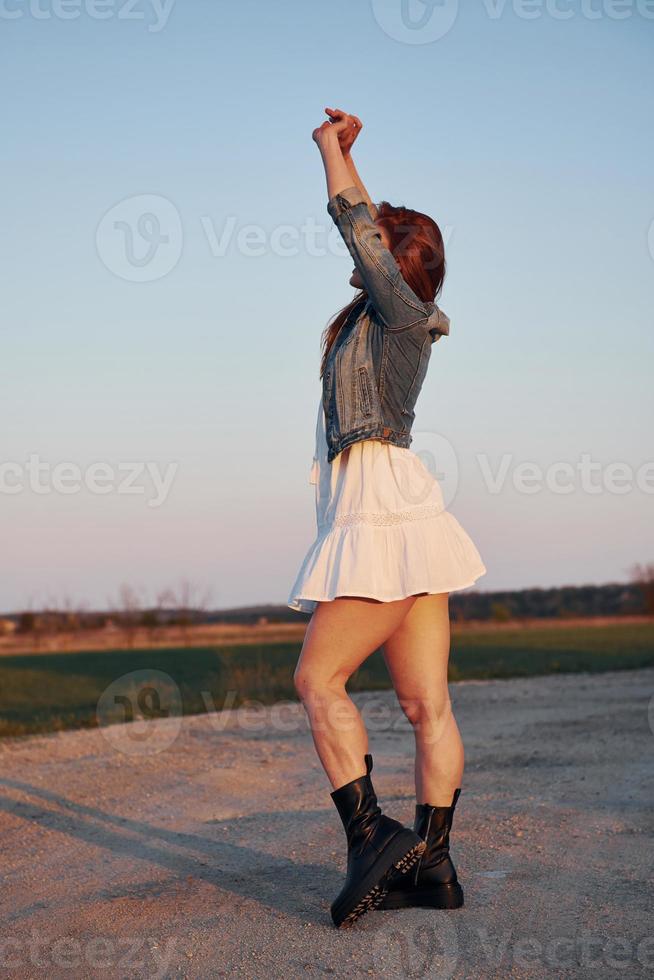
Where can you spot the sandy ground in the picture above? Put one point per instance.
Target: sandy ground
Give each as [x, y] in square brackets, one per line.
[209, 847]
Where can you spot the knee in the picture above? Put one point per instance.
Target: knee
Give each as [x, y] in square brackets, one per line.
[312, 684]
[427, 712]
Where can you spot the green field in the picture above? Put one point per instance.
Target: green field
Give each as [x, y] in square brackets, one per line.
[48, 692]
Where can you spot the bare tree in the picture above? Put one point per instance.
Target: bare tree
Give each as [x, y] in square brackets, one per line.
[191, 602]
[31, 625]
[129, 609]
[643, 577]
[71, 619]
[156, 616]
[52, 619]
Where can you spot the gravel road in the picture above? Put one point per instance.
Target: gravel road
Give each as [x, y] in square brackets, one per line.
[209, 847]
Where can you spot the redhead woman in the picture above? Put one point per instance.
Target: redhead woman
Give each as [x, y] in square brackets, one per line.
[387, 552]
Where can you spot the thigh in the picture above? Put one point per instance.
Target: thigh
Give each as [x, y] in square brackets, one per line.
[417, 653]
[342, 633]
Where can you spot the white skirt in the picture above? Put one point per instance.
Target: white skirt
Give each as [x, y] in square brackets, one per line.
[382, 528]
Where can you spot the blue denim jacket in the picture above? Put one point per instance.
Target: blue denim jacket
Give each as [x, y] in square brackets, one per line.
[377, 365]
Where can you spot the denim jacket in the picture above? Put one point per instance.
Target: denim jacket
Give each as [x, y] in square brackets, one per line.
[376, 367]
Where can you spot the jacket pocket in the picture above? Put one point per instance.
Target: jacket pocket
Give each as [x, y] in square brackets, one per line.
[365, 391]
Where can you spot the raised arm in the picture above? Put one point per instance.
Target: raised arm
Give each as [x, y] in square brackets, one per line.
[348, 127]
[337, 173]
[390, 294]
[356, 180]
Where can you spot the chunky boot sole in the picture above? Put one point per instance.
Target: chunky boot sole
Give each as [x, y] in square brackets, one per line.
[401, 854]
[440, 897]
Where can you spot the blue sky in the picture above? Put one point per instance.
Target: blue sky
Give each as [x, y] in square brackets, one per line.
[528, 138]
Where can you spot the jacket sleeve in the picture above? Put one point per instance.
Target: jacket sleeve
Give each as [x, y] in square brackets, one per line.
[389, 293]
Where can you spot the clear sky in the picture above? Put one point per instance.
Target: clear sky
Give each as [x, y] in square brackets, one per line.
[182, 330]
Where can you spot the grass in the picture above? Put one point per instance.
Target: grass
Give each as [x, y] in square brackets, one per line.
[49, 692]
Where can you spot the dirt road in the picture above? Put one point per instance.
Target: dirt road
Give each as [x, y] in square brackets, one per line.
[209, 847]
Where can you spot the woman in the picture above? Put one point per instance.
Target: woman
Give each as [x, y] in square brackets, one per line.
[387, 553]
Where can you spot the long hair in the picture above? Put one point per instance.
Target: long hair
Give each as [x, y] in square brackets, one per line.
[417, 245]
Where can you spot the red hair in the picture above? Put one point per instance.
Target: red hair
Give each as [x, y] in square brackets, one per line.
[417, 246]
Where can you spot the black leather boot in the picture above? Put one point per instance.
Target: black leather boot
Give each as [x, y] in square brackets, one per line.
[435, 884]
[376, 847]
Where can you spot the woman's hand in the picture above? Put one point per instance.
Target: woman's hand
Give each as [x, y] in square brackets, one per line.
[347, 126]
[325, 136]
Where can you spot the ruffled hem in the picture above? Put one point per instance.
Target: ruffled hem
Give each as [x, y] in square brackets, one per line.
[308, 604]
[387, 563]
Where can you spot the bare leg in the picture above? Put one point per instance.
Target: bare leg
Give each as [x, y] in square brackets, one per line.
[417, 656]
[340, 636]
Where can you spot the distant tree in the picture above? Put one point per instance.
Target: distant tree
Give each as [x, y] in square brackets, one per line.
[457, 614]
[165, 604]
[500, 612]
[190, 602]
[65, 616]
[27, 622]
[129, 612]
[31, 623]
[149, 619]
[643, 576]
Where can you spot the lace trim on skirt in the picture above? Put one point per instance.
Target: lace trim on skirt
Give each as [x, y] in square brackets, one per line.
[387, 517]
